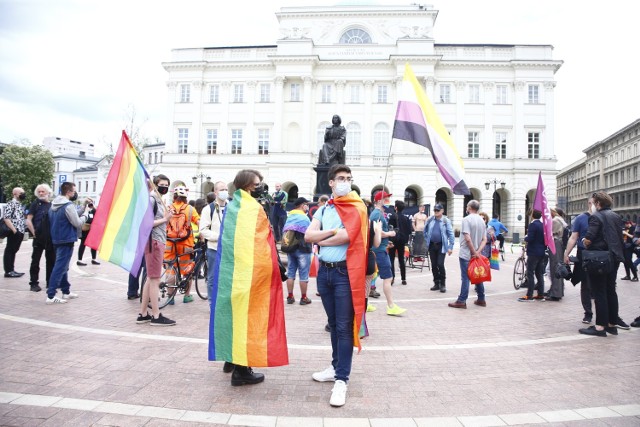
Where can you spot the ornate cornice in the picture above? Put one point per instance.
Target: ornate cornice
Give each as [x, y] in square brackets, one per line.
[172, 85]
[460, 84]
[549, 85]
[251, 83]
[279, 80]
[198, 84]
[340, 84]
[488, 85]
[430, 81]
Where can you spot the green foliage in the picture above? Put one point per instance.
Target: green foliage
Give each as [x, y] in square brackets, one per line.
[26, 167]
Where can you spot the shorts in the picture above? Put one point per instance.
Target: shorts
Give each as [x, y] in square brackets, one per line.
[384, 265]
[301, 262]
[153, 259]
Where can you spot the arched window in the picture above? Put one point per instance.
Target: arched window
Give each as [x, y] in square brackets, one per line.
[355, 36]
[354, 138]
[410, 197]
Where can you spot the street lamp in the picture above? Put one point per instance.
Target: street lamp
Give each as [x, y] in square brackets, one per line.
[201, 176]
[495, 182]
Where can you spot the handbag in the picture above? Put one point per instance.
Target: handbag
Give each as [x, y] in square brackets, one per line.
[5, 231]
[479, 270]
[597, 262]
[495, 258]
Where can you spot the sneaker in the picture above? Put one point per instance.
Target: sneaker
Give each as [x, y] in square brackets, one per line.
[327, 375]
[371, 308]
[527, 298]
[94, 262]
[611, 330]
[81, 264]
[55, 300]
[305, 301]
[591, 330]
[395, 310]
[404, 282]
[539, 298]
[625, 278]
[435, 287]
[144, 319]
[338, 394]
[620, 324]
[35, 288]
[162, 321]
[187, 298]
[587, 319]
[373, 293]
[70, 295]
[327, 328]
[636, 322]
[291, 300]
[635, 279]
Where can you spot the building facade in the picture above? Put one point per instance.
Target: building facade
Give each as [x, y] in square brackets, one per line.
[267, 107]
[59, 145]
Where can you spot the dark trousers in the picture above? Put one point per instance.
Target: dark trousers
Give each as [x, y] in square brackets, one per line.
[500, 238]
[606, 298]
[586, 295]
[11, 249]
[535, 267]
[134, 281]
[629, 268]
[94, 253]
[277, 222]
[398, 249]
[36, 255]
[437, 263]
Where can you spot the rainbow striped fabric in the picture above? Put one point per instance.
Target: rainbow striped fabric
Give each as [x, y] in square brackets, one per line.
[247, 305]
[417, 121]
[124, 218]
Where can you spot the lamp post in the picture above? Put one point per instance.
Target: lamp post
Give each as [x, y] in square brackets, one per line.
[495, 183]
[201, 176]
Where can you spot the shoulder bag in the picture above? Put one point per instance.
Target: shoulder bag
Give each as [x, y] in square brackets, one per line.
[597, 262]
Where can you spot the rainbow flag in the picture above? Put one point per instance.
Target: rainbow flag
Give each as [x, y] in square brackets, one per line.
[124, 218]
[540, 204]
[247, 305]
[417, 121]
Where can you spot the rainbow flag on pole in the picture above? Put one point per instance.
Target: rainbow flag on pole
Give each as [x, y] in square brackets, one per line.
[540, 204]
[418, 122]
[124, 218]
[247, 305]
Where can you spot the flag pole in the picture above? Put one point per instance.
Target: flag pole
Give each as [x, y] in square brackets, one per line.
[386, 169]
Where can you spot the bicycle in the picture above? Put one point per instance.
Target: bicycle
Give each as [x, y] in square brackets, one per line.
[172, 281]
[520, 271]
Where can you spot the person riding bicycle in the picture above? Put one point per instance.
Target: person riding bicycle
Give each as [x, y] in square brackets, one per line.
[499, 228]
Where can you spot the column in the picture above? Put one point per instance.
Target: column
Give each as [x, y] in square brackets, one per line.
[430, 84]
[172, 143]
[308, 128]
[461, 132]
[195, 134]
[249, 140]
[224, 138]
[340, 97]
[487, 150]
[519, 142]
[275, 145]
[367, 126]
[548, 141]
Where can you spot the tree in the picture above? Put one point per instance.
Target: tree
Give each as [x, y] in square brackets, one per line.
[25, 166]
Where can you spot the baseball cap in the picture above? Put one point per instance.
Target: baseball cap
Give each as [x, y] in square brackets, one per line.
[381, 195]
[299, 201]
[438, 207]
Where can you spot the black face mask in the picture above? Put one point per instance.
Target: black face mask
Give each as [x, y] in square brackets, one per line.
[74, 197]
[163, 190]
[256, 194]
[22, 196]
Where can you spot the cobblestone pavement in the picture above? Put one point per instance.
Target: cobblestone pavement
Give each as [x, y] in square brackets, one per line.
[88, 363]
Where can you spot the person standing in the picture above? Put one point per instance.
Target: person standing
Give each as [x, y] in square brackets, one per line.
[438, 235]
[65, 226]
[85, 232]
[473, 238]
[499, 229]
[418, 222]
[14, 218]
[535, 259]
[556, 290]
[403, 231]
[300, 258]
[39, 229]
[629, 267]
[210, 222]
[279, 213]
[340, 229]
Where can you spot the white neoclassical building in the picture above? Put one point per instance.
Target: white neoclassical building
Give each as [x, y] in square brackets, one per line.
[266, 107]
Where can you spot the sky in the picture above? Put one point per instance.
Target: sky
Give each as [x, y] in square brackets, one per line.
[74, 68]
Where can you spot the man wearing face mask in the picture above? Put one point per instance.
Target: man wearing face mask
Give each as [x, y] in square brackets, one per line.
[14, 218]
[41, 236]
[210, 220]
[64, 226]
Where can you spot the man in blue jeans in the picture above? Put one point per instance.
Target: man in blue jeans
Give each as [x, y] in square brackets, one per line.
[64, 225]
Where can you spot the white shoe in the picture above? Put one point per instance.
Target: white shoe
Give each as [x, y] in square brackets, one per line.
[328, 374]
[55, 300]
[338, 394]
[70, 295]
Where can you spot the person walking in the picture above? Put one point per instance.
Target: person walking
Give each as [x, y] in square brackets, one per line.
[39, 228]
[210, 221]
[14, 219]
[86, 227]
[535, 259]
[439, 238]
[298, 251]
[556, 290]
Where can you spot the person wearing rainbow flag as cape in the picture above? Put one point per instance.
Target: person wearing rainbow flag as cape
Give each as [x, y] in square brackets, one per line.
[340, 230]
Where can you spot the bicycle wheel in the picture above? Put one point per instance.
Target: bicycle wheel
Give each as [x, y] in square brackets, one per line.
[201, 274]
[519, 276]
[169, 283]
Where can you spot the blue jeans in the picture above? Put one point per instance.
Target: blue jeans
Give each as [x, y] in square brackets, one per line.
[212, 254]
[59, 278]
[335, 291]
[301, 262]
[464, 289]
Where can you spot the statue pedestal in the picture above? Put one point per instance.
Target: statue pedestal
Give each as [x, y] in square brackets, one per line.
[322, 181]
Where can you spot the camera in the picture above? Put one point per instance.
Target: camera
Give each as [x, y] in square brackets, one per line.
[90, 205]
[563, 271]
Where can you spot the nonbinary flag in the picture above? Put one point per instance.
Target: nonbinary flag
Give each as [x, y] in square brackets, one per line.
[124, 217]
[540, 204]
[417, 122]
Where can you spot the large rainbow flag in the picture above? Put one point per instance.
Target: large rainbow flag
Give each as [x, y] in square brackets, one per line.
[247, 308]
[124, 218]
[417, 121]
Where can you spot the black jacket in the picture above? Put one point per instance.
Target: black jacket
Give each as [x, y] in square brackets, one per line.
[605, 233]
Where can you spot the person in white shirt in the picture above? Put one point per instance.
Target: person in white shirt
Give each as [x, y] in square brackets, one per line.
[210, 221]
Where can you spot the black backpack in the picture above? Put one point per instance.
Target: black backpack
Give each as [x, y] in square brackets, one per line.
[566, 233]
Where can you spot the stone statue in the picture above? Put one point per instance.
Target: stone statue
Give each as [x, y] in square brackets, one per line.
[335, 138]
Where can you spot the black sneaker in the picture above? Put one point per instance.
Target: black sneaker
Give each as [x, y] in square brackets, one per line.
[404, 282]
[611, 330]
[587, 319]
[35, 288]
[162, 321]
[291, 300]
[94, 262]
[373, 293]
[305, 301]
[327, 328]
[144, 319]
[132, 297]
[591, 330]
[620, 324]
[81, 264]
[636, 322]
[435, 287]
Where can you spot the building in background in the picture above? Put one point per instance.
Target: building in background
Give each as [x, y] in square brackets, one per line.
[67, 146]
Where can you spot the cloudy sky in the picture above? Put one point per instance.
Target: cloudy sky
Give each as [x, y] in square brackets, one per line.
[71, 68]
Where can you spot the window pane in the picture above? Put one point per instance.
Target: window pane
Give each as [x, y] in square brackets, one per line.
[214, 94]
[263, 141]
[185, 93]
[295, 92]
[236, 141]
[212, 141]
[183, 140]
[382, 94]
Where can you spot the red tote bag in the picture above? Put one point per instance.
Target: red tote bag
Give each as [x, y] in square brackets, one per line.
[479, 270]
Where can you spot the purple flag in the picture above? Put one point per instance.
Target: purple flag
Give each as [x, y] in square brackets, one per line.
[540, 204]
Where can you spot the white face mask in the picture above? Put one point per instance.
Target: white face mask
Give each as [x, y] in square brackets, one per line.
[593, 208]
[223, 195]
[342, 188]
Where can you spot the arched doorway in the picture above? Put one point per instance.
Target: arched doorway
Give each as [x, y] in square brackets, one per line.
[410, 197]
[496, 205]
[292, 192]
[443, 199]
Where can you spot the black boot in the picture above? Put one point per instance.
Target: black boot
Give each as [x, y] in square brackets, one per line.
[244, 375]
[443, 287]
[228, 367]
[436, 286]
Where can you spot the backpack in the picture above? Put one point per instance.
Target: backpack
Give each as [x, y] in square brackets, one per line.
[179, 226]
[291, 241]
[566, 233]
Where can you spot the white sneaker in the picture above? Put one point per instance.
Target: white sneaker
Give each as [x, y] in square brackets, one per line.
[328, 374]
[70, 295]
[338, 394]
[55, 300]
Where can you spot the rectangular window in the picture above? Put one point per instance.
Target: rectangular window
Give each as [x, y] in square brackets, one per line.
[355, 94]
[150, 154]
[474, 145]
[214, 94]
[326, 93]
[236, 141]
[263, 141]
[295, 92]
[445, 94]
[501, 94]
[183, 140]
[265, 92]
[474, 94]
[238, 93]
[86, 186]
[533, 94]
[501, 145]
[212, 141]
[94, 186]
[533, 147]
[156, 158]
[382, 94]
[185, 93]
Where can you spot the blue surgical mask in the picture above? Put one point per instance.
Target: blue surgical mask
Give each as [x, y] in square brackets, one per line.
[223, 195]
[343, 188]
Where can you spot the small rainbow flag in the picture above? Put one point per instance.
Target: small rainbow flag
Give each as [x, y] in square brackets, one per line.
[247, 308]
[124, 218]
